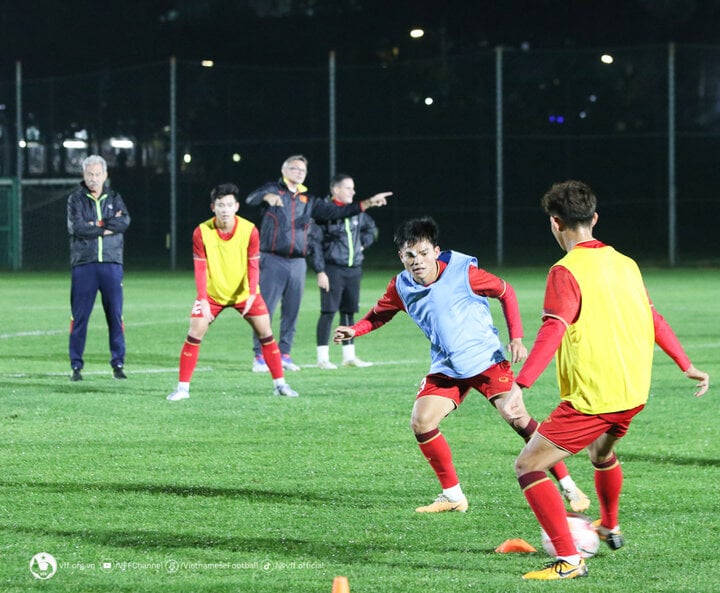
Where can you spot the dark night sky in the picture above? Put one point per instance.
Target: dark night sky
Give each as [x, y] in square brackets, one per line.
[54, 37]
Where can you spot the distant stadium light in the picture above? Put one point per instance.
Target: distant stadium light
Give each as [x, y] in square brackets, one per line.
[429, 101]
[417, 33]
[69, 143]
[122, 143]
[607, 59]
[236, 157]
[207, 63]
[22, 144]
[187, 157]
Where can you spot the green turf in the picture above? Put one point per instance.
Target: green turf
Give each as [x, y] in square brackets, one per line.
[235, 490]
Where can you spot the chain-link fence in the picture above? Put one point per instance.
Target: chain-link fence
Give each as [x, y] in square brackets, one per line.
[472, 140]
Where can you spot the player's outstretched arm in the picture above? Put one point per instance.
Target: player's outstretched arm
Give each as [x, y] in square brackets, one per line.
[701, 377]
[342, 333]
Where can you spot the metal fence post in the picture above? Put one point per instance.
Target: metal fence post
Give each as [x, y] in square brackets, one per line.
[332, 114]
[500, 198]
[173, 163]
[672, 191]
[19, 147]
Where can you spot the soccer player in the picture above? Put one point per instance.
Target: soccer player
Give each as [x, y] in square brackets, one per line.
[446, 295]
[599, 319]
[226, 253]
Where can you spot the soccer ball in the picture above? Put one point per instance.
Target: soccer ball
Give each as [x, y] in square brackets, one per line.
[586, 538]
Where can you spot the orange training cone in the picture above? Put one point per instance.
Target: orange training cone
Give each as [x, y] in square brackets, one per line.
[341, 585]
[515, 546]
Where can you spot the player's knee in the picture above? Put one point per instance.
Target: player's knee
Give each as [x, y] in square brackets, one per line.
[422, 423]
[521, 466]
[266, 339]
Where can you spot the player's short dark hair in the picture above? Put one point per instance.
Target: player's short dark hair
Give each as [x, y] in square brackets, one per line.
[573, 202]
[224, 189]
[414, 230]
[338, 178]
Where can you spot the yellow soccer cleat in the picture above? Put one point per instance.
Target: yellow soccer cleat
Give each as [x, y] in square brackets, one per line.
[560, 569]
[443, 504]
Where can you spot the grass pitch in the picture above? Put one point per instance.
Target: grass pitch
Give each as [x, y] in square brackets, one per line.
[235, 490]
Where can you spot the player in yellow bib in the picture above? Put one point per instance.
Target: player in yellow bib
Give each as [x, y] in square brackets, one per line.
[598, 318]
[226, 255]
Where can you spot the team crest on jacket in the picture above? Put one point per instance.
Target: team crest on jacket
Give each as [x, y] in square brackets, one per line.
[303, 198]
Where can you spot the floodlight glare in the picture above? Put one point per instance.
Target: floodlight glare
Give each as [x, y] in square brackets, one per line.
[69, 143]
[607, 59]
[121, 143]
[417, 33]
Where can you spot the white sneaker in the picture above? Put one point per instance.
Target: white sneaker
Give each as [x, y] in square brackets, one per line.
[288, 364]
[259, 365]
[178, 395]
[356, 362]
[326, 365]
[285, 390]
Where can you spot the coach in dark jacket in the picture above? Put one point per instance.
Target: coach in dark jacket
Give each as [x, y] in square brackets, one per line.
[337, 256]
[287, 211]
[97, 219]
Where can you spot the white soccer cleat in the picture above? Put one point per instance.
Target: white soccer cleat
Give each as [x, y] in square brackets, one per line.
[326, 365]
[285, 391]
[356, 362]
[176, 396]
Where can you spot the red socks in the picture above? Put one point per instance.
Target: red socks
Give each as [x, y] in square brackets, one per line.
[188, 358]
[547, 504]
[271, 354]
[437, 451]
[608, 484]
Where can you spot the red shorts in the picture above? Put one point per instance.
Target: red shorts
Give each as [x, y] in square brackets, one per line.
[491, 382]
[258, 308]
[572, 431]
